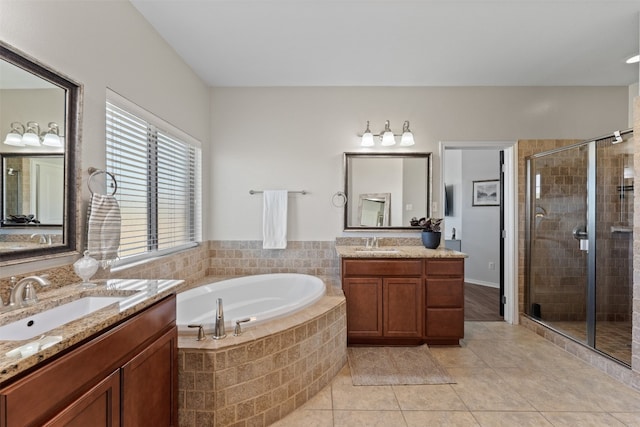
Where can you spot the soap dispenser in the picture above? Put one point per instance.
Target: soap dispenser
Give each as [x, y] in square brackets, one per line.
[85, 268]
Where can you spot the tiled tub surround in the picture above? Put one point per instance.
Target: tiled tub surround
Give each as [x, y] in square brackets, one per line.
[262, 375]
[246, 257]
[140, 294]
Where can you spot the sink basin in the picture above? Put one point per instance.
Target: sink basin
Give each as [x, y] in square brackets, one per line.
[42, 322]
[378, 250]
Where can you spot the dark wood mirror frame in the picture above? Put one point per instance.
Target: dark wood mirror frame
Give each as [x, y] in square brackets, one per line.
[73, 103]
[352, 199]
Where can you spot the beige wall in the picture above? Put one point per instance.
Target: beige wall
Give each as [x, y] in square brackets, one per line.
[104, 44]
[293, 138]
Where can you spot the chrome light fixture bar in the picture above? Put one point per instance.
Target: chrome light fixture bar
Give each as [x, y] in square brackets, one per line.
[387, 137]
[29, 135]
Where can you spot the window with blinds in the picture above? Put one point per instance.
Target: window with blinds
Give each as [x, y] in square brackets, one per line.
[158, 174]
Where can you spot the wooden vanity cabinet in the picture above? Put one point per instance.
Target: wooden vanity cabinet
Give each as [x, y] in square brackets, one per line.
[126, 375]
[384, 300]
[444, 300]
[404, 301]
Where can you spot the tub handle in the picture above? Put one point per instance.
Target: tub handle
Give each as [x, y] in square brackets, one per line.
[201, 335]
[238, 330]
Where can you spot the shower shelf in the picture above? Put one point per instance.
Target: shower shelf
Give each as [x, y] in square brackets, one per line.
[618, 229]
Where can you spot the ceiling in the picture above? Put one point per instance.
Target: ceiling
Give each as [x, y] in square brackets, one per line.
[401, 42]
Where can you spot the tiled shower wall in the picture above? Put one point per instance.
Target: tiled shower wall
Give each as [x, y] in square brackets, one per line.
[558, 266]
[527, 148]
[558, 274]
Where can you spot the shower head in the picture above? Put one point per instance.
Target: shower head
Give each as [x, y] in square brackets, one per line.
[12, 171]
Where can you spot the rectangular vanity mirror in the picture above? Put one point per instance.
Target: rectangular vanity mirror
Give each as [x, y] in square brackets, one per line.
[39, 122]
[386, 190]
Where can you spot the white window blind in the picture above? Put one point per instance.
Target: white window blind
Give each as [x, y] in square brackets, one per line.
[159, 189]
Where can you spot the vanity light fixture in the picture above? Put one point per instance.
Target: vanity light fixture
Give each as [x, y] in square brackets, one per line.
[14, 137]
[633, 60]
[30, 135]
[367, 137]
[407, 135]
[387, 137]
[51, 136]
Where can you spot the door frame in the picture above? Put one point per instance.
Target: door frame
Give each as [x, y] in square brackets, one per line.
[510, 173]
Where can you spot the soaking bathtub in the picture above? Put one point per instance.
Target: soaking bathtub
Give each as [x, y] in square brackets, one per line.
[260, 298]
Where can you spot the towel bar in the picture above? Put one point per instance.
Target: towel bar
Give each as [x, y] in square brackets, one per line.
[303, 192]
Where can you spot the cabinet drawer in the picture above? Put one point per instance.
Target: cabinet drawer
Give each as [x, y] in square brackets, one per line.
[444, 267]
[381, 267]
[445, 292]
[445, 323]
[46, 391]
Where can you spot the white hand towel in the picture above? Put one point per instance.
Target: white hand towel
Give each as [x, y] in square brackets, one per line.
[274, 219]
[103, 227]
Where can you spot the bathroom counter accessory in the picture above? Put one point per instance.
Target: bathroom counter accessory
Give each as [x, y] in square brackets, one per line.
[138, 295]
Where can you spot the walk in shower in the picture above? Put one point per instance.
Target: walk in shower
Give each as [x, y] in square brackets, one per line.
[579, 242]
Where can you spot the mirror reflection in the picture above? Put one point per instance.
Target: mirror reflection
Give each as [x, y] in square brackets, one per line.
[386, 190]
[39, 116]
[33, 189]
[373, 209]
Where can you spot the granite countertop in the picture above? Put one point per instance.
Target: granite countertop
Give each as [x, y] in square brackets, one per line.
[137, 295]
[397, 252]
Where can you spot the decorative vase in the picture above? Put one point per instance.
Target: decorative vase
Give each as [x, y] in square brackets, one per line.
[85, 268]
[431, 239]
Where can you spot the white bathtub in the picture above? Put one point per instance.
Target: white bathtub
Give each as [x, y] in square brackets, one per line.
[262, 297]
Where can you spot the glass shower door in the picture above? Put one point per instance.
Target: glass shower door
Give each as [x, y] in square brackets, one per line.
[579, 243]
[614, 241]
[558, 256]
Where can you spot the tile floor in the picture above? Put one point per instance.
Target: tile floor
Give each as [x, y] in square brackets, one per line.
[612, 338]
[505, 376]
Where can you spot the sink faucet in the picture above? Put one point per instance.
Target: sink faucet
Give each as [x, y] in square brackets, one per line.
[44, 238]
[17, 297]
[371, 242]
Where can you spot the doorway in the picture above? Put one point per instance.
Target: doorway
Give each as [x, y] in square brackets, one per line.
[505, 233]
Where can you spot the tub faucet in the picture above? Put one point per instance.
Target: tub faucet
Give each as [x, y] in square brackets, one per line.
[45, 239]
[238, 329]
[218, 326]
[18, 297]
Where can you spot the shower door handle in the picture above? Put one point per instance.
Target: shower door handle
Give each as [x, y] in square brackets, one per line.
[581, 235]
[580, 232]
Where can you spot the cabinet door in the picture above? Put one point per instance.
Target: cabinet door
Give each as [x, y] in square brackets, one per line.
[402, 307]
[364, 306]
[149, 384]
[100, 406]
[445, 323]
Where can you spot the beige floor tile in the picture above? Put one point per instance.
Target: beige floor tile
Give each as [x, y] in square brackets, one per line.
[364, 398]
[481, 389]
[582, 419]
[322, 400]
[630, 419]
[343, 377]
[498, 354]
[368, 419]
[543, 391]
[439, 418]
[306, 418]
[457, 357]
[510, 419]
[428, 397]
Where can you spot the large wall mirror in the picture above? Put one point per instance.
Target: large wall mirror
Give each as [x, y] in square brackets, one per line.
[39, 133]
[386, 190]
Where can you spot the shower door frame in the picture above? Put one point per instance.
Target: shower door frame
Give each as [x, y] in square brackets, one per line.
[591, 213]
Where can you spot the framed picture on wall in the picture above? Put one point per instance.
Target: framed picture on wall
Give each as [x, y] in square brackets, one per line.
[486, 193]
